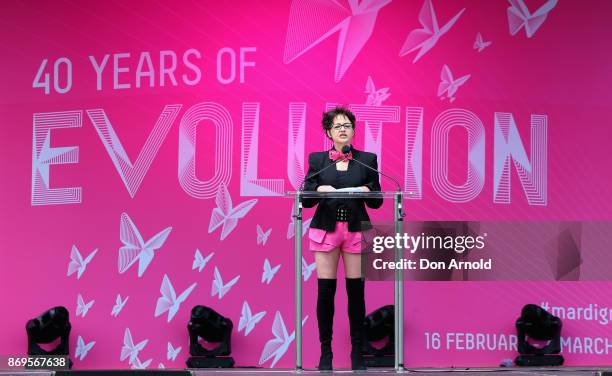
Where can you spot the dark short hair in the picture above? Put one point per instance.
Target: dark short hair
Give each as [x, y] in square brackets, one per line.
[329, 116]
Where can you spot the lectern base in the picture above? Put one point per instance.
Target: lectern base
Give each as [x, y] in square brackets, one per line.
[205, 362]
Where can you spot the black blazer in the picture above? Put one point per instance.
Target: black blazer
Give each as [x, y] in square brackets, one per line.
[357, 175]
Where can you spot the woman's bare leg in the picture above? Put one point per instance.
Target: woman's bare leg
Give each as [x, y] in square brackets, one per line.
[352, 264]
[327, 263]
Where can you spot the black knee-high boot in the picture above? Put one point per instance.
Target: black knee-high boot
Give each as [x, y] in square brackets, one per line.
[356, 312]
[325, 318]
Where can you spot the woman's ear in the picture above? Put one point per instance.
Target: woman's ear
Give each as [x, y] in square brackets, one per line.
[328, 134]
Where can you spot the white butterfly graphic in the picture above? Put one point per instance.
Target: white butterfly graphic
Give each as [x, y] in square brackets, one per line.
[218, 288]
[135, 248]
[77, 263]
[268, 272]
[137, 364]
[161, 366]
[291, 228]
[199, 262]
[168, 300]
[519, 16]
[248, 319]
[262, 237]
[82, 307]
[480, 44]
[129, 349]
[425, 39]
[307, 269]
[82, 348]
[225, 214]
[119, 304]
[449, 85]
[172, 352]
[277, 347]
[375, 97]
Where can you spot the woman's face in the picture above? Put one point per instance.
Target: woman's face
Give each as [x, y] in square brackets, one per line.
[342, 131]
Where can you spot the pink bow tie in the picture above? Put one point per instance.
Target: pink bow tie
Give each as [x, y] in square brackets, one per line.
[334, 155]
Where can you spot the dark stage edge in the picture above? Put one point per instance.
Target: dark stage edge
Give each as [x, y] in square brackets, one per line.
[510, 371]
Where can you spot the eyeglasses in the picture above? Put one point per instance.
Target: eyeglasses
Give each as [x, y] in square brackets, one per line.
[346, 126]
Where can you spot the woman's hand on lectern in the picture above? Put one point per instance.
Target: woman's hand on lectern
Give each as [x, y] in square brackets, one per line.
[365, 189]
[325, 188]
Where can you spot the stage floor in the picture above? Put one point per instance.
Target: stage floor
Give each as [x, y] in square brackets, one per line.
[510, 371]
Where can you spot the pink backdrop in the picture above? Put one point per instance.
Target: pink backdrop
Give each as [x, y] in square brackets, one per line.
[150, 109]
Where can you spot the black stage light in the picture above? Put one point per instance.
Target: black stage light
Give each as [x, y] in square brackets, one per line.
[206, 323]
[536, 323]
[48, 327]
[378, 326]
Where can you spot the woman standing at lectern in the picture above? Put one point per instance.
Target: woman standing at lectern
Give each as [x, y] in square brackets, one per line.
[336, 228]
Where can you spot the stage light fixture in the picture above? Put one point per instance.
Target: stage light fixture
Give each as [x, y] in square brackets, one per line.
[535, 323]
[49, 326]
[378, 326]
[211, 326]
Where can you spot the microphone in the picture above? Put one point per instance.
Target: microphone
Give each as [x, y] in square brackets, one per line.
[346, 149]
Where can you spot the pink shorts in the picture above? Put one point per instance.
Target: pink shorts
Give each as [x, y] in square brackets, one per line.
[321, 240]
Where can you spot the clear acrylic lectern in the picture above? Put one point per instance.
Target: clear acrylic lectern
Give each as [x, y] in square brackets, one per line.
[398, 216]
